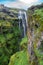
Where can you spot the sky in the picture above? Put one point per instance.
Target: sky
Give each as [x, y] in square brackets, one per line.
[22, 4]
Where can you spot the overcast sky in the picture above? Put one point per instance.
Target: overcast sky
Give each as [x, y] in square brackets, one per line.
[22, 4]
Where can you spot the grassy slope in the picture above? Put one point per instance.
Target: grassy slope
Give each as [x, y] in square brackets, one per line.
[20, 58]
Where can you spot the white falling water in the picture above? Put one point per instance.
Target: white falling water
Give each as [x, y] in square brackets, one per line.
[23, 22]
[26, 18]
[19, 17]
[22, 15]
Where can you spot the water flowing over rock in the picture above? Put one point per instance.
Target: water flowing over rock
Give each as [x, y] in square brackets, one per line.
[22, 22]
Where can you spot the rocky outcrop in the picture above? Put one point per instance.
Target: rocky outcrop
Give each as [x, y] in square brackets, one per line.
[34, 7]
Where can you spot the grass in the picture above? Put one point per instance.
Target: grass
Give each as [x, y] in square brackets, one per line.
[19, 58]
[24, 40]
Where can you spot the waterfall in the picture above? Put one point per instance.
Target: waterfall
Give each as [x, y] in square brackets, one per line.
[24, 23]
[19, 17]
[22, 16]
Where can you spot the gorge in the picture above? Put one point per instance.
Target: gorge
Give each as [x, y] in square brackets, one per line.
[21, 36]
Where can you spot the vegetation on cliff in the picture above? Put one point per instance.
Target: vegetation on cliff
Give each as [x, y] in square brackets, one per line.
[13, 48]
[35, 35]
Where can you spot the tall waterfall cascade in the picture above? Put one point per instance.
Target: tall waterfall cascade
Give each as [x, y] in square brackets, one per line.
[22, 22]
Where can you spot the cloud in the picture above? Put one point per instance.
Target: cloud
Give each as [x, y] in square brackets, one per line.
[21, 4]
[16, 4]
[29, 1]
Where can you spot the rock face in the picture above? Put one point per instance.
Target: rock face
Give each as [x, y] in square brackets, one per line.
[6, 11]
[10, 11]
[35, 33]
[36, 7]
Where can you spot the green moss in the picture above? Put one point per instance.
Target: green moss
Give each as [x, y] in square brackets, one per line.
[9, 36]
[19, 58]
[23, 43]
[2, 39]
[24, 40]
[40, 56]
